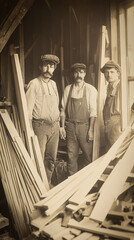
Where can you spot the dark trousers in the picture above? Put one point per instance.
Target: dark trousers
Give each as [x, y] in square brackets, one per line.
[77, 138]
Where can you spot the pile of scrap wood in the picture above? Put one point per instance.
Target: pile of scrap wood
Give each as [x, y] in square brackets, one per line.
[95, 203]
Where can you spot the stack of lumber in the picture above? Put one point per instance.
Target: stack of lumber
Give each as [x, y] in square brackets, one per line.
[22, 184]
[84, 200]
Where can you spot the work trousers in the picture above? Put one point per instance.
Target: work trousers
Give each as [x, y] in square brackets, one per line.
[48, 137]
[77, 138]
[112, 130]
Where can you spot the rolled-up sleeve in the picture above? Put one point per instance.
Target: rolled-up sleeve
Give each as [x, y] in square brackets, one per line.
[93, 94]
[30, 97]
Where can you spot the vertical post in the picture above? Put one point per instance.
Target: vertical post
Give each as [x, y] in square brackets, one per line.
[114, 30]
[88, 40]
[62, 57]
[22, 51]
[99, 126]
[124, 77]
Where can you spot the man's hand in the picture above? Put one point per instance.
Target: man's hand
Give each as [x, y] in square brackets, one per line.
[62, 133]
[90, 135]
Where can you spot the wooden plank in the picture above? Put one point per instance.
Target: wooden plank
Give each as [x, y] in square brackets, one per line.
[99, 126]
[75, 231]
[39, 161]
[14, 20]
[94, 238]
[83, 236]
[21, 102]
[118, 175]
[42, 221]
[63, 234]
[87, 225]
[52, 228]
[127, 228]
[21, 40]
[18, 125]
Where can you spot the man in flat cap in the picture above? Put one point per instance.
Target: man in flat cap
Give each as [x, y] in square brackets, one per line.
[43, 108]
[111, 110]
[78, 113]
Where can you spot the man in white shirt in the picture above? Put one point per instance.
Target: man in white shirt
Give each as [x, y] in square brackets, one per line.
[43, 108]
[78, 114]
[112, 109]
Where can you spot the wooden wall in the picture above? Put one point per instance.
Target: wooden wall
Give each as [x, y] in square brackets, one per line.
[70, 29]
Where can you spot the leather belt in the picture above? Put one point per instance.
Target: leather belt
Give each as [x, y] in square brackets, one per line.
[77, 122]
[42, 121]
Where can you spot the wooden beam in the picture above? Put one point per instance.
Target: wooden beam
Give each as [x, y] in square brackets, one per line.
[14, 20]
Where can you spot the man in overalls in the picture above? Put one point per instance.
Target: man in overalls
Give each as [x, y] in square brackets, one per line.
[111, 110]
[78, 113]
[43, 108]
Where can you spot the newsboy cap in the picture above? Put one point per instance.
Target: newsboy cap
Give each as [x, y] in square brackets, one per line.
[50, 57]
[78, 65]
[110, 64]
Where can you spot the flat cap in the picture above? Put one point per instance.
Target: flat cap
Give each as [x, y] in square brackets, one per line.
[110, 64]
[78, 65]
[50, 58]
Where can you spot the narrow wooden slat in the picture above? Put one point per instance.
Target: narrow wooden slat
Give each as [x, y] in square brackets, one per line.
[86, 225]
[39, 161]
[21, 102]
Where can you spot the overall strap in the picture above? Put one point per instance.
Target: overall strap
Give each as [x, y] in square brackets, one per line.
[69, 96]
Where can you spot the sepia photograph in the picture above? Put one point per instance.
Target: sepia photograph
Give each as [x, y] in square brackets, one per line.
[66, 119]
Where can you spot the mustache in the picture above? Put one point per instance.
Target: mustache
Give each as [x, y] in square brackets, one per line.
[78, 78]
[48, 73]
